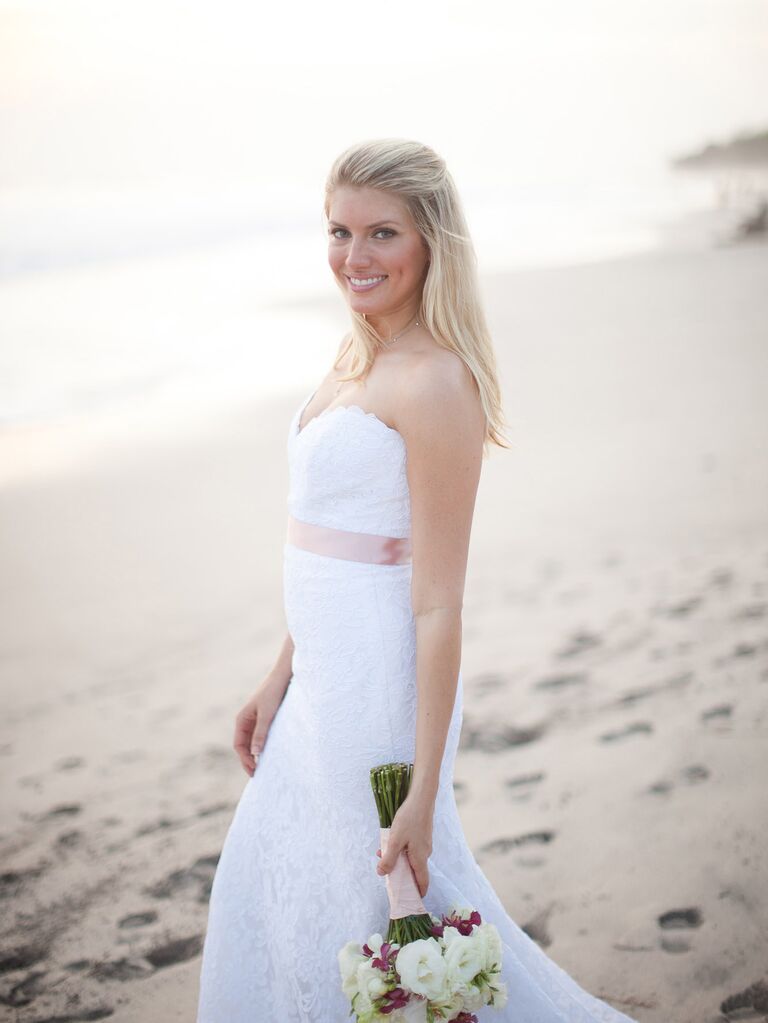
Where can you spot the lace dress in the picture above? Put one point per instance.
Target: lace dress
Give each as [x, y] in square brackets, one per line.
[297, 878]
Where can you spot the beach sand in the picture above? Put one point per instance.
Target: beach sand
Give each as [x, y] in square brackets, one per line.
[615, 658]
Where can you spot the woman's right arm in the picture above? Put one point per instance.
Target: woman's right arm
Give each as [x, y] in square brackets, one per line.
[253, 721]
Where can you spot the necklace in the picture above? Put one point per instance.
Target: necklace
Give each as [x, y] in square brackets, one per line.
[397, 337]
[388, 344]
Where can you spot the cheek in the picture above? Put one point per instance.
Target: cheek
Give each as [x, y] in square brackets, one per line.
[414, 261]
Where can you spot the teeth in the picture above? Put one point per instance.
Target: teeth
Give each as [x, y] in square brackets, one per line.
[367, 280]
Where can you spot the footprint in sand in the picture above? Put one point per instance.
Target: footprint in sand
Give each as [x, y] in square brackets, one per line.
[681, 609]
[744, 650]
[23, 957]
[718, 712]
[488, 740]
[636, 728]
[140, 966]
[63, 810]
[161, 824]
[721, 577]
[561, 681]
[577, 643]
[138, 919]
[178, 951]
[678, 920]
[208, 811]
[751, 612]
[26, 990]
[81, 1016]
[523, 785]
[69, 839]
[634, 695]
[754, 997]
[537, 927]
[196, 880]
[503, 845]
[121, 969]
[690, 775]
[12, 882]
[489, 683]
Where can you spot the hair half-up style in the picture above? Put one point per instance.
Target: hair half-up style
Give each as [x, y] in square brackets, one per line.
[451, 307]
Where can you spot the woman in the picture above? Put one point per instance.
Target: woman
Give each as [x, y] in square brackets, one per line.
[384, 458]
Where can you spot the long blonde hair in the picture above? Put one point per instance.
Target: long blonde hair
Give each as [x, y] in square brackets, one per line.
[451, 308]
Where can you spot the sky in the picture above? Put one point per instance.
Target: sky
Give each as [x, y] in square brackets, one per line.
[166, 159]
[95, 93]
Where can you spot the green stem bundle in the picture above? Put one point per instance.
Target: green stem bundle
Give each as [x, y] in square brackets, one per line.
[390, 784]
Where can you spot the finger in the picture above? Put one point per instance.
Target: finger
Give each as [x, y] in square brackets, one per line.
[420, 873]
[258, 739]
[243, 734]
[422, 882]
[388, 860]
[386, 864]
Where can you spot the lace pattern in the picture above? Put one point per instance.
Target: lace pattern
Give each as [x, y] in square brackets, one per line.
[296, 878]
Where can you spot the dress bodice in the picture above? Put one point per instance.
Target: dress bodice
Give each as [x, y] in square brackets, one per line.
[347, 470]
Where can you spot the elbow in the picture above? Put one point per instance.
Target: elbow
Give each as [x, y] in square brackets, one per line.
[448, 611]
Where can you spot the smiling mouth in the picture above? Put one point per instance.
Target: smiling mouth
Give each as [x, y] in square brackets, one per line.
[364, 283]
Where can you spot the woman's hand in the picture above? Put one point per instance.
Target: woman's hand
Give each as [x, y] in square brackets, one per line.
[411, 831]
[253, 721]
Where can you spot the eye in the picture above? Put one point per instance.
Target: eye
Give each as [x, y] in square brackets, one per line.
[334, 231]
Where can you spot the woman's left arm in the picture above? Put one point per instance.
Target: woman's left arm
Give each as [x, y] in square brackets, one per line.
[443, 424]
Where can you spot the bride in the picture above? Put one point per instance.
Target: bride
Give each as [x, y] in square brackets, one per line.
[384, 461]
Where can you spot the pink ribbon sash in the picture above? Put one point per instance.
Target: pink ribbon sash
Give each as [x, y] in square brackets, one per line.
[342, 543]
[403, 892]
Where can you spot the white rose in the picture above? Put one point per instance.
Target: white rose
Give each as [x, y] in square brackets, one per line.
[464, 958]
[490, 941]
[463, 912]
[415, 1011]
[370, 984]
[499, 999]
[474, 997]
[350, 958]
[450, 1005]
[421, 967]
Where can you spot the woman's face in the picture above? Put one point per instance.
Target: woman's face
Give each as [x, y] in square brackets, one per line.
[377, 255]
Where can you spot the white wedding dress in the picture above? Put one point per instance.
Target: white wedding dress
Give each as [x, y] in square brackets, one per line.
[297, 878]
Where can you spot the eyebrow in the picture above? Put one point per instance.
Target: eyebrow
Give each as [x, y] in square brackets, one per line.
[379, 223]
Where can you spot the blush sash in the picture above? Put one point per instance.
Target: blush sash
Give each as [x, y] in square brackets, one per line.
[342, 543]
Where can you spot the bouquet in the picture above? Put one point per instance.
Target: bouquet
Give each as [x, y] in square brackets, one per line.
[428, 968]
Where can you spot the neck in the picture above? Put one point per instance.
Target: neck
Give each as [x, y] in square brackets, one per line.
[388, 327]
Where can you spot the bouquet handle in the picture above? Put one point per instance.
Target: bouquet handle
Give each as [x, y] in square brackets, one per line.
[402, 890]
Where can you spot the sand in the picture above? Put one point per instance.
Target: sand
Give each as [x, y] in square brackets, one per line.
[610, 778]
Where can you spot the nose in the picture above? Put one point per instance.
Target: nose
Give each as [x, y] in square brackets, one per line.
[358, 256]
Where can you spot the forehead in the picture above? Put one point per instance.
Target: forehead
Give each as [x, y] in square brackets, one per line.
[363, 206]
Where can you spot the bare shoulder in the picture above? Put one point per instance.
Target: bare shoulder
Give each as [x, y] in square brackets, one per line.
[439, 396]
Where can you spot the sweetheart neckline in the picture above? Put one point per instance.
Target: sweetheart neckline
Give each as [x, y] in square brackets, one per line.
[299, 430]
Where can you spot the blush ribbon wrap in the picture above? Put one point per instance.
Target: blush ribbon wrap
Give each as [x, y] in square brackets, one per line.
[402, 890]
[343, 543]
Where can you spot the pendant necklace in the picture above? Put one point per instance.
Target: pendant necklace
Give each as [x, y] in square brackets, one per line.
[388, 344]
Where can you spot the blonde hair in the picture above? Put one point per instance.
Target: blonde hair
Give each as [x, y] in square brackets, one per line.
[451, 309]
